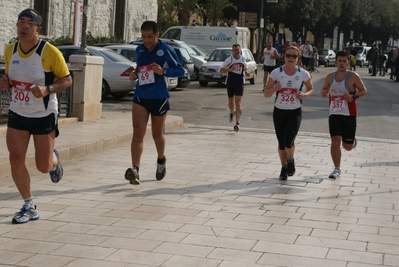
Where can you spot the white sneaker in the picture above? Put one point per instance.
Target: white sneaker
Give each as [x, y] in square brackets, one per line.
[335, 174]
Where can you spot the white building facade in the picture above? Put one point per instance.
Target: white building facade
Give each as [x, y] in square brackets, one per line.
[105, 18]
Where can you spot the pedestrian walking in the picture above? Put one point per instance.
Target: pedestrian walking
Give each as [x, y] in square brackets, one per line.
[343, 88]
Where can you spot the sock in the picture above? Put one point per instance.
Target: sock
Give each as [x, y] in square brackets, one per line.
[161, 161]
[55, 167]
[285, 166]
[290, 159]
[28, 203]
[136, 168]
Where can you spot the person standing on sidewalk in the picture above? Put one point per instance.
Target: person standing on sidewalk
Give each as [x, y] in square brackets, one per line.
[307, 53]
[36, 71]
[235, 66]
[344, 89]
[287, 83]
[374, 54]
[155, 61]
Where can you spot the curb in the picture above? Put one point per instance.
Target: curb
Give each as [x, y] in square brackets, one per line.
[72, 149]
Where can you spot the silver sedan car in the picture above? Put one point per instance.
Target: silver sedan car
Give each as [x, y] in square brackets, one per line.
[116, 70]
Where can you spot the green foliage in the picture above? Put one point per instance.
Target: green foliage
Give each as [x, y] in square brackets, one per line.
[90, 40]
[63, 40]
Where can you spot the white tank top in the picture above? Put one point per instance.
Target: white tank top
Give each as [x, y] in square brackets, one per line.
[23, 73]
[290, 85]
[337, 102]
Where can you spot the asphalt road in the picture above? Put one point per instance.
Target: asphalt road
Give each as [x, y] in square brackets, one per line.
[378, 110]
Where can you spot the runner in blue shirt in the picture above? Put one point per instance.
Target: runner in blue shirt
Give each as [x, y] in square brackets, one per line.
[155, 62]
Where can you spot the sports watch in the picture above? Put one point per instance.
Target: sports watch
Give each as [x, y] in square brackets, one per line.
[50, 89]
[354, 97]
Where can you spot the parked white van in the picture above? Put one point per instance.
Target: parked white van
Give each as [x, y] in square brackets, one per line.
[209, 37]
[361, 55]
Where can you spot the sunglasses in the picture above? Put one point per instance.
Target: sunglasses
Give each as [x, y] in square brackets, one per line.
[291, 56]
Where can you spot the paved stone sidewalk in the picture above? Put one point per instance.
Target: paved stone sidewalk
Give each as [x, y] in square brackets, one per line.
[220, 205]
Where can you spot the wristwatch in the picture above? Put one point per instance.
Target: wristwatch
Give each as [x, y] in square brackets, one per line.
[50, 89]
[354, 97]
[164, 72]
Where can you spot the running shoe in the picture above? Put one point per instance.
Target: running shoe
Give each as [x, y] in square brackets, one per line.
[283, 174]
[236, 128]
[161, 170]
[132, 175]
[335, 174]
[26, 215]
[291, 168]
[231, 117]
[58, 172]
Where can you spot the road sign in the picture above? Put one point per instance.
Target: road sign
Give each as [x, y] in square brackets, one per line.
[248, 19]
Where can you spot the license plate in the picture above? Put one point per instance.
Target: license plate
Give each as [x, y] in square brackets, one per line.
[217, 75]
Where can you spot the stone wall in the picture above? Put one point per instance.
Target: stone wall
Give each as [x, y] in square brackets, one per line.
[100, 18]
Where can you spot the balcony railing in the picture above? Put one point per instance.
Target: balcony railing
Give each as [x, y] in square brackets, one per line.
[65, 98]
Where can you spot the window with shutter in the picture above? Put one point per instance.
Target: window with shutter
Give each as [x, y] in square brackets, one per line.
[119, 28]
[42, 7]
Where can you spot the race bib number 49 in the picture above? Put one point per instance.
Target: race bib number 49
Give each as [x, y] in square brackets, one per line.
[145, 75]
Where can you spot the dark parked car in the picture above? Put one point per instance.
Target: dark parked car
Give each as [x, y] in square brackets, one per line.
[326, 57]
[197, 59]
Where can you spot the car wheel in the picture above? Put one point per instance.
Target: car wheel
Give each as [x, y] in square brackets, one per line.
[252, 81]
[361, 64]
[119, 95]
[195, 75]
[105, 91]
[327, 64]
[203, 84]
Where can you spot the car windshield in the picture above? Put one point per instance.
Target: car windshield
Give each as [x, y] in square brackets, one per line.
[359, 49]
[323, 52]
[185, 54]
[189, 49]
[219, 55]
[200, 51]
[113, 56]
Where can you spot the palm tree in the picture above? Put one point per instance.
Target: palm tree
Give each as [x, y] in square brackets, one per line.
[213, 10]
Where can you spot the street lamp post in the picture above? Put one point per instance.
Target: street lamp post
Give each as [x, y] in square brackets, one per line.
[261, 21]
[83, 50]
